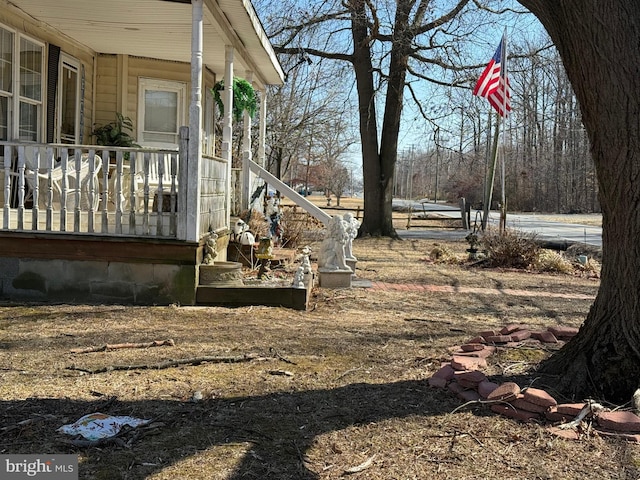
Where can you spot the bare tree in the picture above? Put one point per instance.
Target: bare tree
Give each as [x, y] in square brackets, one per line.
[295, 111]
[384, 40]
[598, 43]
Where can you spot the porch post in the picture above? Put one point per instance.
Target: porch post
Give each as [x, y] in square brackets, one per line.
[227, 122]
[263, 129]
[195, 126]
[246, 153]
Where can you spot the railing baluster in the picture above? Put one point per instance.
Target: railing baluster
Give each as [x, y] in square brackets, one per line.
[35, 185]
[105, 190]
[49, 197]
[64, 164]
[159, 200]
[174, 197]
[133, 187]
[8, 178]
[117, 192]
[21, 169]
[145, 213]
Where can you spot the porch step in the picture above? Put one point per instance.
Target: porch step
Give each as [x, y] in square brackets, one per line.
[287, 297]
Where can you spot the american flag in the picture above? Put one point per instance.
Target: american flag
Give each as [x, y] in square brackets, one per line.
[493, 84]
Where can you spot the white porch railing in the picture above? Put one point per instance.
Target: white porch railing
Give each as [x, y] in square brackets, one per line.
[100, 190]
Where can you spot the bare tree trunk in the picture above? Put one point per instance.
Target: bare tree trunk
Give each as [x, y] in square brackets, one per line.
[375, 190]
[598, 42]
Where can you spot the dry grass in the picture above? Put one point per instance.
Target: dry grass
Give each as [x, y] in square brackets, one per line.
[359, 361]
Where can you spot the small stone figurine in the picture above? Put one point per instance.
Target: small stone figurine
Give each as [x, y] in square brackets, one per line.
[306, 263]
[352, 226]
[298, 278]
[210, 250]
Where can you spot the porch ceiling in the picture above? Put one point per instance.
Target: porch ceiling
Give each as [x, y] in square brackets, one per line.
[162, 29]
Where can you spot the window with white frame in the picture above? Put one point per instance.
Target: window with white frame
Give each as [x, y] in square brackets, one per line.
[21, 86]
[30, 81]
[68, 101]
[161, 112]
[6, 82]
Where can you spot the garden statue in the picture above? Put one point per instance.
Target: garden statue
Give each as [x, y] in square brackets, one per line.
[352, 225]
[210, 248]
[306, 263]
[274, 214]
[265, 255]
[298, 278]
[242, 235]
[332, 249]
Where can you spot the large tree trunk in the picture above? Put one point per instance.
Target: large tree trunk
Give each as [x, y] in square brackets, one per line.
[598, 43]
[398, 64]
[377, 209]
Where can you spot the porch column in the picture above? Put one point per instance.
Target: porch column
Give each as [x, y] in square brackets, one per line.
[263, 129]
[246, 153]
[227, 122]
[195, 126]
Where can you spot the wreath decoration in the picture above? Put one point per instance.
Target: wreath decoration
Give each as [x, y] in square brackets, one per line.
[244, 98]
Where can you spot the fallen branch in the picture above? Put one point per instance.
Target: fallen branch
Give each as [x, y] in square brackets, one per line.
[363, 466]
[280, 357]
[588, 409]
[27, 422]
[117, 346]
[170, 363]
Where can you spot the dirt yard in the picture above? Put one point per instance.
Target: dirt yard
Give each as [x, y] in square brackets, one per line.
[267, 393]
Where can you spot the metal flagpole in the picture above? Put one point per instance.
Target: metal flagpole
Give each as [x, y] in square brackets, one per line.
[503, 74]
[491, 175]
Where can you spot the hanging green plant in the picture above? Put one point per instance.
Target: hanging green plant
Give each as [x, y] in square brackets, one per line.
[244, 98]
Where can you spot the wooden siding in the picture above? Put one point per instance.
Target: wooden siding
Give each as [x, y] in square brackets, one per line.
[106, 89]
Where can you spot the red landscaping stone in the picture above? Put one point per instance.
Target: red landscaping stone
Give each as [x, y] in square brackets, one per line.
[619, 421]
[437, 382]
[545, 336]
[521, 404]
[553, 416]
[489, 333]
[474, 377]
[446, 371]
[520, 335]
[477, 339]
[460, 362]
[567, 433]
[563, 333]
[571, 409]
[485, 388]
[539, 397]
[472, 347]
[469, 395]
[455, 388]
[512, 327]
[498, 339]
[509, 411]
[486, 352]
[507, 391]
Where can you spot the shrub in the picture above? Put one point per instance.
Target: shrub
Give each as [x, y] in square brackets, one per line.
[295, 224]
[550, 261]
[441, 254]
[510, 249]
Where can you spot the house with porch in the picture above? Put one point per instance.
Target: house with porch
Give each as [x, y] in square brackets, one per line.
[106, 223]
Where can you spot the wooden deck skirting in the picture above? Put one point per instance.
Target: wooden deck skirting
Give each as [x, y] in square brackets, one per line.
[75, 246]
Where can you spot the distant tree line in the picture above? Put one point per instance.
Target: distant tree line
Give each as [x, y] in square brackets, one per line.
[548, 166]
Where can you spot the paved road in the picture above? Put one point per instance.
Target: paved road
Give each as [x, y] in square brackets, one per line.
[531, 223]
